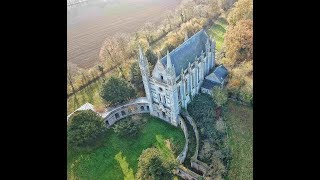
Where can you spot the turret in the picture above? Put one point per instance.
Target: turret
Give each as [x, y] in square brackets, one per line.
[171, 74]
[144, 68]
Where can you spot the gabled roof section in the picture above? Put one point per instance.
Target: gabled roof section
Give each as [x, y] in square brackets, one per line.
[187, 51]
[221, 72]
[207, 84]
[218, 75]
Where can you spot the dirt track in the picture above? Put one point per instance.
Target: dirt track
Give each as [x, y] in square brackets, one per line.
[88, 31]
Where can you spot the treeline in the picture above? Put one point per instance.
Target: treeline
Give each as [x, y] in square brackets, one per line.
[118, 54]
[238, 51]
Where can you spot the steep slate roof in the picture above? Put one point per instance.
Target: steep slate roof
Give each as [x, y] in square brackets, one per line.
[221, 72]
[215, 78]
[187, 51]
[218, 75]
[207, 84]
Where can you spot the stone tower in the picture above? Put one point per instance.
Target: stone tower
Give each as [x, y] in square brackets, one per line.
[172, 91]
[145, 73]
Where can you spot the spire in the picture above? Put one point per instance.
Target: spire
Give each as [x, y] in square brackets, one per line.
[140, 52]
[186, 36]
[169, 64]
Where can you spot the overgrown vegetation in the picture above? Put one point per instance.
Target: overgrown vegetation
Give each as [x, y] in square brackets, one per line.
[157, 163]
[100, 163]
[239, 51]
[213, 149]
[84, 130]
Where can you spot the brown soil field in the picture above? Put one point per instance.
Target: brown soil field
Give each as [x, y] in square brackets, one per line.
[90, 25]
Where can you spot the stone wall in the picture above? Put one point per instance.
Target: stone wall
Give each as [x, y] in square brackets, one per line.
[200, 166]
[183, 154]
[185, 173]
[186, 115]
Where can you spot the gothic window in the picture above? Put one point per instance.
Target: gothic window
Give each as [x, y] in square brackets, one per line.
[117, 115]
[163, 114]
[142, 108]
[193, 80]
[179, 95]
[186, 86]
[148, 108]
[198, 74]
[190, 80]
[161, 77]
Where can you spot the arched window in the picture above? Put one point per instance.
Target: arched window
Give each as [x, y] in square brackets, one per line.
[163, 114]
[179, 95]
[148, 108]
[142, 108]
[186, 86]
[117, 115]
[198, 69]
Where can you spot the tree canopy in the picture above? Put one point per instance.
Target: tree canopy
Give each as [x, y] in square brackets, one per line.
[242, 10]
[116, 90]
[239, 42]
[152, 165]
[136, 78]
[151, 57]
[84, 128]
[128, 127]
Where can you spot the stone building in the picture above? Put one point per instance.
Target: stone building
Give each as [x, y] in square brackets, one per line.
[180, 75]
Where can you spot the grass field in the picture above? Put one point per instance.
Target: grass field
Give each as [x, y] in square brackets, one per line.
[217, 31]
[101, 163]
[239, 120]
[90, 25]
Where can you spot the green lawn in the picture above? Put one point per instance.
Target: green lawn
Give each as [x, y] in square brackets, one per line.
[101, 163]
[217, 31]
[239, 119]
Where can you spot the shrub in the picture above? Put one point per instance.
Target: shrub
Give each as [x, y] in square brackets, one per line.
[116, 90]
[84, 129]
[128, 127]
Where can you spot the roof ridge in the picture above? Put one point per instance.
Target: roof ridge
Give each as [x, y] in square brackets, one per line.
[185, 42]
[188, 40]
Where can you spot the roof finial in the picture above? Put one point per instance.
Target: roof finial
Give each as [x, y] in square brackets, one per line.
[140, 52]
[169, 64]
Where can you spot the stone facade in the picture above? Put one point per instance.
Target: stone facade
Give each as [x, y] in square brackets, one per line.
[178, 76]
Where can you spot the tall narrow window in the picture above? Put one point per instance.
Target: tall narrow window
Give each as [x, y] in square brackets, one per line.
[179, 95]
[194, 78]
[186, 87]
[164, 99]
[160, 98]
[198, 69]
